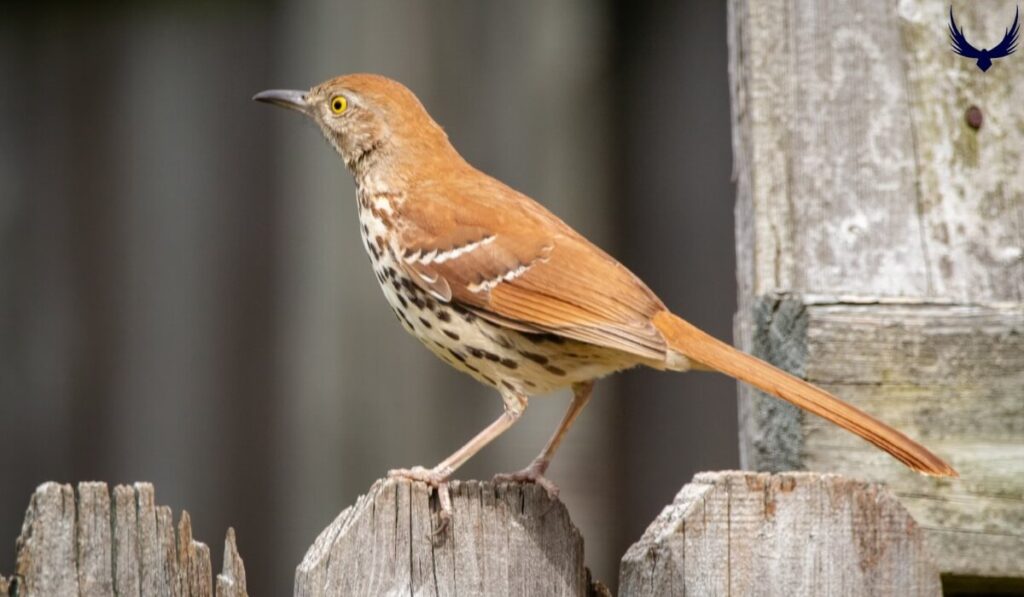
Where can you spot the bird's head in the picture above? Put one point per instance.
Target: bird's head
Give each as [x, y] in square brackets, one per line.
[364, 114]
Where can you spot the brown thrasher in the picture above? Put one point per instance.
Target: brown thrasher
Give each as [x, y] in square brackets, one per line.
[500, 288]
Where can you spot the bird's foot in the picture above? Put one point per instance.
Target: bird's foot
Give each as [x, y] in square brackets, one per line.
[531, 474]
[434, 477]
[437, 478]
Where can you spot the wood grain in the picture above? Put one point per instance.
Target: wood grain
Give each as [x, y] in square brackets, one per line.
[90, 544]
[950, 376]
[503, 539]
[856, 170]
[880, 243]
[739, 533]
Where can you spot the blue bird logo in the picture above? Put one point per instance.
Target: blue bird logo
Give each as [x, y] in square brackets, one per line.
[984, 57]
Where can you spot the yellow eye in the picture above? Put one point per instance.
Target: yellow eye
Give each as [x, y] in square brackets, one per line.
[339, 104]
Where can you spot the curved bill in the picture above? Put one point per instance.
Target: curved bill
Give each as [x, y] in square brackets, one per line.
[285, 98]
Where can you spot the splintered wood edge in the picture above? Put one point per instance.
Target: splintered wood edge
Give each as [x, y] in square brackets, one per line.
[231, 581]
[94, 541]
[340, 559]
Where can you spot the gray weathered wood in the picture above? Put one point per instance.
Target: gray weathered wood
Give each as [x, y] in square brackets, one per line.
[231, 582]
[881, 252]
[504, 539]
[739, 533]
[94, 546]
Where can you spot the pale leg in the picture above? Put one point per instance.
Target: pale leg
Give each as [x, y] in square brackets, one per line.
[534, 473]
[438, 476]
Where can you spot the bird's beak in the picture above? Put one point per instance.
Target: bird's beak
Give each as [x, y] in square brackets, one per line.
[286, 98]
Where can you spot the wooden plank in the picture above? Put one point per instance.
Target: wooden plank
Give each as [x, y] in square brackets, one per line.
[742, 533]
[504, 539]
[970, 183]
[880, 242]
[95, 546]
[856, 170]
[951, 376]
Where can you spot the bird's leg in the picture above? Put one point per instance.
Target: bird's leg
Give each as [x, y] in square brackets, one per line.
[534, 472]
[515, 405]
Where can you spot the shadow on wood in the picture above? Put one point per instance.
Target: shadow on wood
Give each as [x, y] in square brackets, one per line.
[503, 539]
[740, 533]
[125, 546]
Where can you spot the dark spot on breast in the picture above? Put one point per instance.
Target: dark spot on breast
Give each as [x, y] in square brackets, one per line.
[444, 315]
[416, 301]
[398, 287]
[401, 299]
[380, 277]
[510, 363]
[373, 251]
[451, 334]
[530, 384]
[490, 380]
[554, 370]
[457, 355]
[407, 284]
[429, 302]
[472, 368]
[469, 317]
[490, 356]
[475, 352]
[366, 231]
[508, 385]
[438, 344]
[426, 323]
[536, 358]
[541, 338]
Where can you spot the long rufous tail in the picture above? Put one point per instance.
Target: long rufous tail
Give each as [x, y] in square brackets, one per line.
[713, 353]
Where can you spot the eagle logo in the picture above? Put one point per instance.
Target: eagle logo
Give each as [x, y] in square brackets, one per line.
[984, 57]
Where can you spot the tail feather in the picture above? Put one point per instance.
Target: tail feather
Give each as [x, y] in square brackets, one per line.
[706, 350]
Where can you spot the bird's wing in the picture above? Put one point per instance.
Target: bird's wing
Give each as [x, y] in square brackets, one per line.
[960, 44]
[476, 242]
[1009, 43]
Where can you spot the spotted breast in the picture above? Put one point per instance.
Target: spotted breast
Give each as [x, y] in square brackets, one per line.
[504, 358]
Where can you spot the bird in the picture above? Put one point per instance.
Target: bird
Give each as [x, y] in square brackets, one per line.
[984, 56]
[500, 288]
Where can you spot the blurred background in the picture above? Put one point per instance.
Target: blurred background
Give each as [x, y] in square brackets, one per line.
[184, 298]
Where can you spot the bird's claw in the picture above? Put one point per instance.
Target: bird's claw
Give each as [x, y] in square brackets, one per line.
[438, 479]
[431, 476]
[531, 474]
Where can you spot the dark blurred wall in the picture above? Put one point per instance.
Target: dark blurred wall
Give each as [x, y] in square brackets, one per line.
[184, 299]
[676, 211]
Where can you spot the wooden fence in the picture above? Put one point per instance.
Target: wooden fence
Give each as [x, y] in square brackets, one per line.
[733, 533]
[880, 218]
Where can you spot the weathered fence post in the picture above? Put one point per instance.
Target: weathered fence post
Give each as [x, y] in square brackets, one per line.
[740, 533]
[504, 539]
[95, 546]
[726, 533]
[880, 219]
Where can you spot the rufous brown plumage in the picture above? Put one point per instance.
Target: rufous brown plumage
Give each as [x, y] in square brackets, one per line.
[502, 289]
